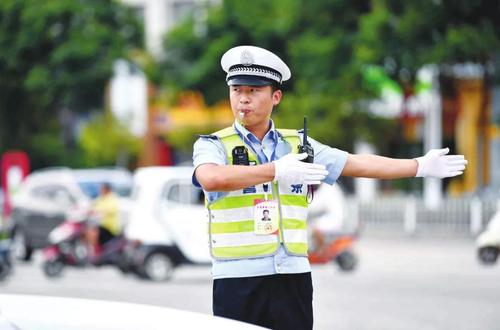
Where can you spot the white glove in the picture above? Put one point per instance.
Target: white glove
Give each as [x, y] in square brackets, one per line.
[291, 170]
[436, 164]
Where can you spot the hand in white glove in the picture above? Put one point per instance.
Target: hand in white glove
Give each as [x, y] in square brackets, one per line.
[435, 163]
[290, 169]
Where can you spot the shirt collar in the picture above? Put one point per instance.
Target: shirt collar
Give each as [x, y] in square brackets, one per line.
[246, 133]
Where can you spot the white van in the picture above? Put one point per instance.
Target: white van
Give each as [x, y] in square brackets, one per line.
[167, 222]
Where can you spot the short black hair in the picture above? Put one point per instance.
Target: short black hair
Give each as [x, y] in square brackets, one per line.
[106, 185]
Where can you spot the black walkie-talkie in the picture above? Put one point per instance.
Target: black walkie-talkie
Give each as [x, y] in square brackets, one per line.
[306, 146]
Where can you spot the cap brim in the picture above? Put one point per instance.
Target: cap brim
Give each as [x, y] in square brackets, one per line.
[250, 81]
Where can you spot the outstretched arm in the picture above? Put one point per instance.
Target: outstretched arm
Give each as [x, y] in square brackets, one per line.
[436, 163]
[373, 166]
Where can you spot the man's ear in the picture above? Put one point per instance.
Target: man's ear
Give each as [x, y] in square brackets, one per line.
[277, 94]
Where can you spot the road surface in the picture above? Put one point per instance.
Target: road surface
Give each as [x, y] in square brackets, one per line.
[400, 283]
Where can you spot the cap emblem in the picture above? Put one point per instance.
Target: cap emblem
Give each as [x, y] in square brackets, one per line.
[246, 58]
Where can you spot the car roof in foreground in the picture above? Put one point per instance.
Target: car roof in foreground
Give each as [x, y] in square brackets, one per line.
[163, 173]
[27, 312]
[101, 174]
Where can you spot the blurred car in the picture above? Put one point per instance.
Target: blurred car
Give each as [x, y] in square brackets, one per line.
[25, 312]
[167, 222]
[5, 260]
[488, 242]
[46, 197]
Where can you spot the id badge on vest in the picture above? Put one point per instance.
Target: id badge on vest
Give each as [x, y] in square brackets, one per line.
[265, 216]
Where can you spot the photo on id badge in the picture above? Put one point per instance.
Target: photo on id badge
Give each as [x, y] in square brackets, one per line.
[265, 217]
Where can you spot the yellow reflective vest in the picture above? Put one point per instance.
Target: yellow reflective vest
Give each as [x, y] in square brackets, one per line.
[231, 224]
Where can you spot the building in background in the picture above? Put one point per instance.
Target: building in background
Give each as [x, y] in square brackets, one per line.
[452, 106]
[470, 112]
[160, 16]
[128, 97]
[138, 104]
[494, 132]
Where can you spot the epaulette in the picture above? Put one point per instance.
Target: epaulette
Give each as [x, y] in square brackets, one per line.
[208, 136]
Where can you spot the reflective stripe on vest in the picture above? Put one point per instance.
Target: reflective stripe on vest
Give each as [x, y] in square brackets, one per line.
[231, 225]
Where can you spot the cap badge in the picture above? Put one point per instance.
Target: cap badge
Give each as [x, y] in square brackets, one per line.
[246, 58]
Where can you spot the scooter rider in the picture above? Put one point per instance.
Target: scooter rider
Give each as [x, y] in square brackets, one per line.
[326, 215]
[262, 276]
[104, 224]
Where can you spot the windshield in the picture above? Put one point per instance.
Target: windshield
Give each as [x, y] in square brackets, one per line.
[92, 188]
[185, 194]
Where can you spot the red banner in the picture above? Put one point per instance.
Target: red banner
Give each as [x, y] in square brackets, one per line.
[15, 167]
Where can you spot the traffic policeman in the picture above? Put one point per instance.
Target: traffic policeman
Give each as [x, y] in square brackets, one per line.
[260, 268]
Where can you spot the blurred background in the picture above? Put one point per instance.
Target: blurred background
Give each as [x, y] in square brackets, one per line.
[96, 91]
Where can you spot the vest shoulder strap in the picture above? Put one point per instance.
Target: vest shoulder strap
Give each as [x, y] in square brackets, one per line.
[225, 132]
[230, 139]
[292, 137]
[288, 132]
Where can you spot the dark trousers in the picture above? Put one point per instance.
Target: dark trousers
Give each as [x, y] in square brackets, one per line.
[104, 236]
[280, 302]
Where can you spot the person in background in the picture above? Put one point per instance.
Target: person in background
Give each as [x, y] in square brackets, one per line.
[326, 215]
[105, 224]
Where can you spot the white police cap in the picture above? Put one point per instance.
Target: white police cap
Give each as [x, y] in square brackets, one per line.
[253, 66]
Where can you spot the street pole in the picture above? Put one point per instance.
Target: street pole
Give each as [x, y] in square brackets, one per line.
[433, 139]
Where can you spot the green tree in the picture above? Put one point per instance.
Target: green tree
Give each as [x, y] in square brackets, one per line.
[328, 45]
[316, 39]
[56, 55]
[402, 36]
[104, 140]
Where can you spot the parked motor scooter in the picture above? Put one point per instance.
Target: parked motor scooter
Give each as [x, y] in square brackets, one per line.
[68, 247]
[329, 223]
[338, 250]
[488, 242]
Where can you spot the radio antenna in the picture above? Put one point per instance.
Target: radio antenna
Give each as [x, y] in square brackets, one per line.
[304, 139]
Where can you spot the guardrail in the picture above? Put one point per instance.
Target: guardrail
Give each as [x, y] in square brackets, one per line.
[409, 214]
